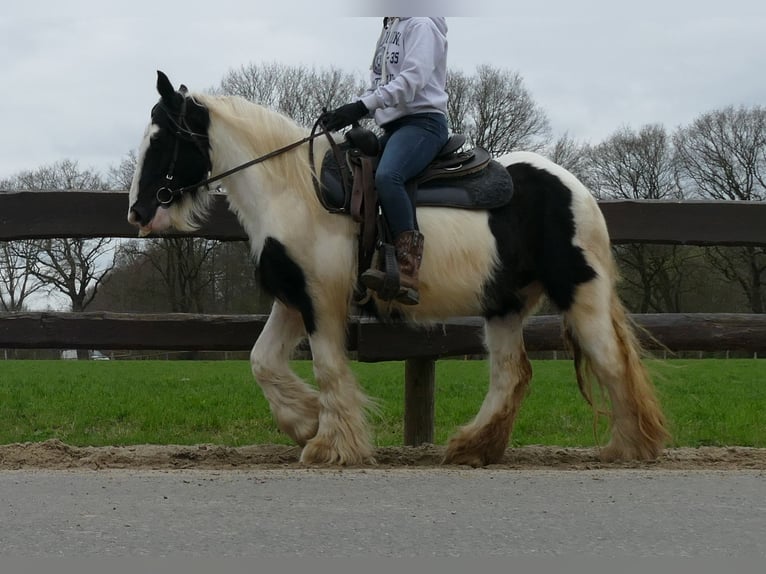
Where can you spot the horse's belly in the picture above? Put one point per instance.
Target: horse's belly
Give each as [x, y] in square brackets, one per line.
[438, 304]
[458, 259]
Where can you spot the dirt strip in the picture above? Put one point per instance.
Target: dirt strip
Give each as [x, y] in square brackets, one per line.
[54, 454]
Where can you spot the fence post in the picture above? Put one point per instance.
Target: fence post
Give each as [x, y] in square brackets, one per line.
[419, 378]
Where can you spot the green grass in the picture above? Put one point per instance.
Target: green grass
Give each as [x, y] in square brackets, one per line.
[708, 402]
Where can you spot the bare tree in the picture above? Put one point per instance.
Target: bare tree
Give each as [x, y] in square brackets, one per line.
[17, 280]
[121, 176]
[641, 165]
[224, 282]
[636, 165]
[723, 154]
[180, 262]
[503, 115]
[132, 286]
[296, 91]
[572, 155]
[495, 110]
[62, 175]
[459, 91]
[74, 267]
[235, 288]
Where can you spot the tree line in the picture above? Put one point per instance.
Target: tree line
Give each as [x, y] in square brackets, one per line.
[720, 155]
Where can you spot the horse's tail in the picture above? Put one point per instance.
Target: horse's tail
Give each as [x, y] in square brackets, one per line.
[607, 351]
[637, 397]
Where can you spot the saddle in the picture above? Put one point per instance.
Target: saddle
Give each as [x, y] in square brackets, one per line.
[458, 179]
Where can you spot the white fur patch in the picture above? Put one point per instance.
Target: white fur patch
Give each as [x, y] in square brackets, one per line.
[459, 255]
[151, 129]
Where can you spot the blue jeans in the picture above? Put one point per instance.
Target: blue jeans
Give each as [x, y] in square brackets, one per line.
[409, 145]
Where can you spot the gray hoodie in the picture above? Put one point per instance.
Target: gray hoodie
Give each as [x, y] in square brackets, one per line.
[409, 70]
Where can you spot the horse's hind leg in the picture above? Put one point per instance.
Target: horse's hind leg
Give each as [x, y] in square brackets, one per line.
[606, 347]
[294, 404]
[484, 440]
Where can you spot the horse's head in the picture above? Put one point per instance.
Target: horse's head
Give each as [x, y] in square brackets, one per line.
[173, 157]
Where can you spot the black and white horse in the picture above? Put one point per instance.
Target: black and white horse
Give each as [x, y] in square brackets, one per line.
[550, 240]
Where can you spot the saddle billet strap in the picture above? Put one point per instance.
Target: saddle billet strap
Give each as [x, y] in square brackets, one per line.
[364, 207]
[361, 167]
[370, 207]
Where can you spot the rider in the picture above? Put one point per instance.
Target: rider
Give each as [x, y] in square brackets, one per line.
[409, 101]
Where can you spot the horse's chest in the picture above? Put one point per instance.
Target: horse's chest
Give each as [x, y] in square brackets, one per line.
[283, 279]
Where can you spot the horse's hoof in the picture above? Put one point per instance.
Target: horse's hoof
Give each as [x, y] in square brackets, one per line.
[300, 425]
[464, 459]
[477, 446]
[321, 452]
[615, 452]
[471, 455]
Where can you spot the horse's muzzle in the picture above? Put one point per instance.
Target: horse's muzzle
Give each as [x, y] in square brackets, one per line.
[138, 215]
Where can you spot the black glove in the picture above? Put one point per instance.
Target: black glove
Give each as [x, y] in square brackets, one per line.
[343, 116]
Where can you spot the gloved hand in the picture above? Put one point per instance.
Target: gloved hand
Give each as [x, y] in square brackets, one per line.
[343, 116]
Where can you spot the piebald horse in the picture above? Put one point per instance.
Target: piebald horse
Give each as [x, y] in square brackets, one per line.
[550, 240]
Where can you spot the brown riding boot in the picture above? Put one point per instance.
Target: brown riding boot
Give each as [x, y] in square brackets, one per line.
[408, 246]
[409, 253]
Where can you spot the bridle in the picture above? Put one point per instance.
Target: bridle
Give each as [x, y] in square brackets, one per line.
[166, 194]
[183, 132]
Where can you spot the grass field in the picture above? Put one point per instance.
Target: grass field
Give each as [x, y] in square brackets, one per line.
[708, 402]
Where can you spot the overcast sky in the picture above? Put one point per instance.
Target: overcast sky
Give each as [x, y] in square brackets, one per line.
[78, 76]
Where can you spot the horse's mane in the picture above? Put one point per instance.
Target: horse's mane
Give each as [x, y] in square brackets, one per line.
[260, 130]
[263, 127]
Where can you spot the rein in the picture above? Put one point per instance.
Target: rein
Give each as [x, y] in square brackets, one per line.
[166, 195]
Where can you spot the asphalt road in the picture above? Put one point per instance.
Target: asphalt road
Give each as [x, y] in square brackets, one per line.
[357, 513]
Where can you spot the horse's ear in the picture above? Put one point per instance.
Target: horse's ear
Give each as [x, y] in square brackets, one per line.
[164, 87]
[183, 90]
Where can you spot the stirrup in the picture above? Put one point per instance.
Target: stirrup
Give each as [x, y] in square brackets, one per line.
[375, 280]
[408, 296]
[385, 282]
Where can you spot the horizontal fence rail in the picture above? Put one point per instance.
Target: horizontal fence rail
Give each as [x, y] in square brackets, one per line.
[373, 341]
[45, 214]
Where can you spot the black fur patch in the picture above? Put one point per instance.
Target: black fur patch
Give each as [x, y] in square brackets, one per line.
[168, 151]
[284, 280]
[534, 237]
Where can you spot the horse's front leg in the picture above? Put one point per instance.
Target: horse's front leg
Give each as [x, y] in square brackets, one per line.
[343, 435]
[294, 404]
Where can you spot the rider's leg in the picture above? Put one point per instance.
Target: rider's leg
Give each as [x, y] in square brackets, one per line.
[411, 143]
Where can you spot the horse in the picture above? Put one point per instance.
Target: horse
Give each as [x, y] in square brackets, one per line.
[550, 240]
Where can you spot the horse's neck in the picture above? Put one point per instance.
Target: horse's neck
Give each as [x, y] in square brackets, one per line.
[271, 197]
[232, 146]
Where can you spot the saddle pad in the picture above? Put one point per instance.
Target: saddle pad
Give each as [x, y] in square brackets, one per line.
[486, 189]
[489, 188]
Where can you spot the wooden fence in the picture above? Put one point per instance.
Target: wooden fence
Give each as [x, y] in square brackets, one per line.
[36, 215]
